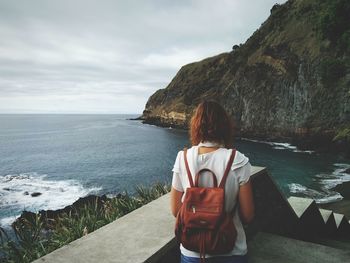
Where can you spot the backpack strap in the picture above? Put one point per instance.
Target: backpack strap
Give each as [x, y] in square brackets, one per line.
[196, 181]
[228, 167]
[188, 169]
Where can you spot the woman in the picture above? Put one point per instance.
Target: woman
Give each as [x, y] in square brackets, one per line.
[211, 136]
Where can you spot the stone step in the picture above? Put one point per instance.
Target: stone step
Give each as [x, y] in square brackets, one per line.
[343, 226]
[300, 205]
[329, 220]
[326, 215]
[311, 223]
[339, 218]
[272, 248]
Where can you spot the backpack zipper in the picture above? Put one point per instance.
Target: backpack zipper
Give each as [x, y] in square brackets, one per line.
[212, 209]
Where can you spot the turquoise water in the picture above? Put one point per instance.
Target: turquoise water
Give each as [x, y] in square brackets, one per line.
[65, 157]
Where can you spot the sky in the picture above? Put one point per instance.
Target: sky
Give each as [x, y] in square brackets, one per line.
[110, 56]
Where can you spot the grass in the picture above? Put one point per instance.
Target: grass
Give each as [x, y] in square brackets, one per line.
[33, 240]
[343, 134]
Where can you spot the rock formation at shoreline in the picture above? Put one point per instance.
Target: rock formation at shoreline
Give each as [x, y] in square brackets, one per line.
[48, 216]
[289, 81]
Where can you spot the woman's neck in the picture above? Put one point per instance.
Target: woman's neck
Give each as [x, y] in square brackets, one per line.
[210, 144]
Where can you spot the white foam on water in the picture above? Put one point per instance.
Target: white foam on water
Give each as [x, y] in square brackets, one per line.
[303, 151]
[342, 165]
[16, 193]
[320, 197]
[280, 146]
[284, 145]
[7, 221]
[326, 182]
[331, 197]
[257, 141]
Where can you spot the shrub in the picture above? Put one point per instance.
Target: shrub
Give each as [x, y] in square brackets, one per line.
[334, 22]
[32, 240]
[343, 135]
[332, 70]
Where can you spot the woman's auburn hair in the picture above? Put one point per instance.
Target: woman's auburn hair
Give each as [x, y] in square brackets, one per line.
[210, 122]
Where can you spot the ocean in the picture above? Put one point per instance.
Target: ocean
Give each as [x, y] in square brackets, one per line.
[63, 157]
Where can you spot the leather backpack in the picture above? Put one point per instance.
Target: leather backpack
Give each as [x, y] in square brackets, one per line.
[202, 224]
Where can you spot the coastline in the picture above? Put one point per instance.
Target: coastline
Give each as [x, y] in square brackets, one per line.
[49, 216]
[305, 141]
[98, 205]
[342, 206]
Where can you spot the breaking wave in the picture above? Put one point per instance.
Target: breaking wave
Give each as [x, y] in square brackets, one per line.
[33, 192]
[326, 182]
[280, 146]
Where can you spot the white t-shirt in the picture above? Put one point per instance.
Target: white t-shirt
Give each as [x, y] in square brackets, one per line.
[216, 161]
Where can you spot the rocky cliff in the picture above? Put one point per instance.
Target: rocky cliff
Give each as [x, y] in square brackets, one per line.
[289, 80]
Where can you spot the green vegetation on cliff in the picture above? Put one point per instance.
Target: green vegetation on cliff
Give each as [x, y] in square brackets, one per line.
[343, 134]
[290, 79]
[333, 24]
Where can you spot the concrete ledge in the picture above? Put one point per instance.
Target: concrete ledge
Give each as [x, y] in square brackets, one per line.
[139, 236]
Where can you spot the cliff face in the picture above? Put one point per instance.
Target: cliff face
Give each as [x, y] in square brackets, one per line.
[290, 79]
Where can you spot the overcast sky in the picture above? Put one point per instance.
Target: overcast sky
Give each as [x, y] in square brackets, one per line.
[104, 56]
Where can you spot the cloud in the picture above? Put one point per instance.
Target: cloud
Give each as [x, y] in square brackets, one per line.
[110, 56]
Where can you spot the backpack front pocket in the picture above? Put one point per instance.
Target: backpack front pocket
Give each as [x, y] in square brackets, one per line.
[199, 216]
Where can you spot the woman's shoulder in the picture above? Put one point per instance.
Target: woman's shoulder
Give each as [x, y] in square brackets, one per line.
[188, 149]
[240, 160]
[238, 155]
[180, 153]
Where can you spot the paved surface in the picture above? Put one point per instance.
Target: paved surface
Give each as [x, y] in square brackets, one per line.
[273, 248]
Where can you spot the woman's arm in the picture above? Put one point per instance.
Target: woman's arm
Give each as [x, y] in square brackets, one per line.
[175, 200]
[246, 203]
